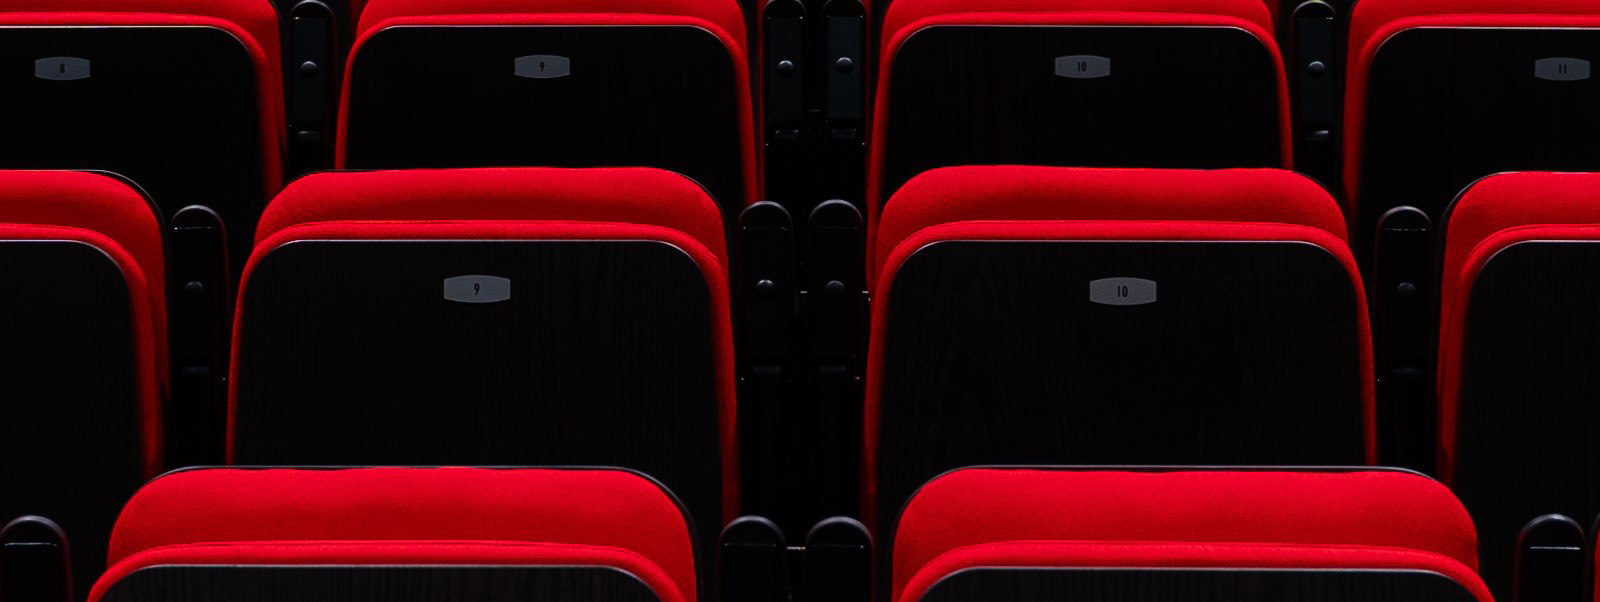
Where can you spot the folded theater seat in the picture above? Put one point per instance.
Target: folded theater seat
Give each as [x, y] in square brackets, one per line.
[1515, 94]
[432, 534]
[1112, 83]
[492, 317]
[565, 83]
[184, 97]
[1036, 315]
[1517, 348]
[1049, 534]
[82, 352]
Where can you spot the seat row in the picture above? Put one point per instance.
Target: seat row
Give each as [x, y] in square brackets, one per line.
[1024, 315]
[429, 534]
[205, 115]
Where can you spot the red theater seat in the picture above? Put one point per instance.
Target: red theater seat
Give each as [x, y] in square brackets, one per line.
[1247, 534]
[1028, 315]
[184, 97]
[83, 344]
[492, 317]
[1514, 94]
[487, 83]
[1517, 347]
[1098, 83]
[206, 529]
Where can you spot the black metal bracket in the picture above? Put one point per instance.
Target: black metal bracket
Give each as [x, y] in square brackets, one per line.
[1401, 298]
[35, 565]
[844, 111]
[754, 561]
[783, 73]
[834, 301]
[1315, 81]
[1551, 562]
[765, 287]
[311, 70]
[199, 303]
[838, 560]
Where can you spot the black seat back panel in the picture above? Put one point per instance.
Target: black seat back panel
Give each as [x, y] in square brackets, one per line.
[600, 355]
[1527, 419]
[434, 97]
[997, 353]
[174, 109]
[1447, 106]
[70, 444]
[1192, 97]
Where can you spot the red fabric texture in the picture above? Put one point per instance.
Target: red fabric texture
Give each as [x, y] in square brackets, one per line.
[1055, 203]
[1373, 22]
[407, 516]
[518, 204]
[1015, 193]
[1026, 517]
[725, 15]
[255, 18]
[1271, 6]
[1495, 213]
[722, 18]
[904, 13]
[906, 17]
[110, 215]
[253, 22]
[616, 195]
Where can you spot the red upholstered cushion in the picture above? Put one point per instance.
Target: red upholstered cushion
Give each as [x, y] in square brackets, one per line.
[253, 22]
[1022, 193]
[904, 14]
[255, 18]
[1374, 21]
[613, 195]
[905, 17]
[1024, 517]
[105, 212]
[1495, 213]
[519, 204]
[408, 516]
[89, 201]
[725, 15]
[1272, 7]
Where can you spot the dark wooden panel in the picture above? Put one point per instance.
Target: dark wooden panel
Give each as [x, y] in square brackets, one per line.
[1196, 585]
[995, 354]
[602, 356]
[69, 413]
[636, 96]
[175, 109]
[1197, 97]
[1528, 428]
[379, 583]
[1447, 106]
